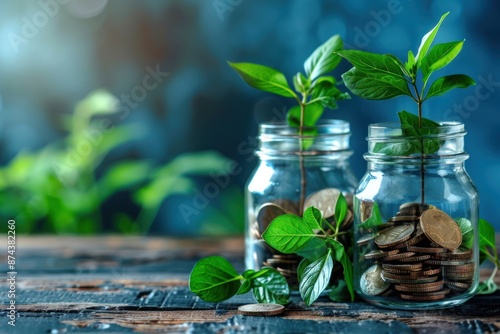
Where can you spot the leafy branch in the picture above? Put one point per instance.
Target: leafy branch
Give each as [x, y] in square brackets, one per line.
[308, 237]
[314, 91]
[489, 252]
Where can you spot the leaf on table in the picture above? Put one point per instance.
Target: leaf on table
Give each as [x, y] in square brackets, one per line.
[271, 287]
[214, 279]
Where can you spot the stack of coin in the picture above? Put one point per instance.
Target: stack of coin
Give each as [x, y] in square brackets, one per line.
[324, 200]
[417, 256]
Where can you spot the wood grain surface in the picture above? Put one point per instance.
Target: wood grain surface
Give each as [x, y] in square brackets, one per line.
[139, 284]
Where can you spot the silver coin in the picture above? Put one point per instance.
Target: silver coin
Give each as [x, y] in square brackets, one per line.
[266, 213]
[371, 281]
[262, 310]
[324, 200]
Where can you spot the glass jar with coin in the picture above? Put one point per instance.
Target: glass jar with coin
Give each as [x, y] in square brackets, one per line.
[289, 179]
[416, 220]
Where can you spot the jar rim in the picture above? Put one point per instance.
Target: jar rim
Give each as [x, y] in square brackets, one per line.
[393, 129]
[328, 126]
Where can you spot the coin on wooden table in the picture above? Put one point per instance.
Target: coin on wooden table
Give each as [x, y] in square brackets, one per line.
[371, 281]
[394, 235]
[324, 200]
[266, 213]
[262, 310]
[441, 229]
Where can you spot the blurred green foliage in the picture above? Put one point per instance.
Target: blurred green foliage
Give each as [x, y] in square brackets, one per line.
[62, 187]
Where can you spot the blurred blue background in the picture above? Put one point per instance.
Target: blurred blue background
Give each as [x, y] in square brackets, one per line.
[55, 52]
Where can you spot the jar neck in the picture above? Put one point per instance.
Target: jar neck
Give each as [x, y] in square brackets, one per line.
[391, 144]
[327, 140]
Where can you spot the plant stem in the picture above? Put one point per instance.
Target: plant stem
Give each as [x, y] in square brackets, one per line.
[303, 181]
[422, 151]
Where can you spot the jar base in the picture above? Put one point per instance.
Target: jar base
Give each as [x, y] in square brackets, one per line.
[418, 306]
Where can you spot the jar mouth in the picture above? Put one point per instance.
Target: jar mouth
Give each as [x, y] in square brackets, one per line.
[391, 130]
[387, 141]
[326, 138]
[323, 127]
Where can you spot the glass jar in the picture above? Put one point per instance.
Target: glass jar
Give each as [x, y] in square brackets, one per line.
[416, 220]
[287, 176]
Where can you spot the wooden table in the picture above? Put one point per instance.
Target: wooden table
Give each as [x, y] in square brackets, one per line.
[137, 284]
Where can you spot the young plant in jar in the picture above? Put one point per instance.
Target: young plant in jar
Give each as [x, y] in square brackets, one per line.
[416, 209]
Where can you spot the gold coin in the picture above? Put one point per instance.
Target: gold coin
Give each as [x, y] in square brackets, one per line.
[262, 310]
[430, 272]
[434, 293]
[422, 298]
[469, 267]
[416, 258]
[459, 253]
[410, 242]
[410, 267]
[398, 256]
[394, 235]
[441, 229]
[431, 250]
[446, 263]
[411, 281]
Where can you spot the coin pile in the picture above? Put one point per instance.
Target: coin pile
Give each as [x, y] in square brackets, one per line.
[417, 255]
[287, 264]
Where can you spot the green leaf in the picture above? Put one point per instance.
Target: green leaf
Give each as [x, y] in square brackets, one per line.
[427, 40]
[342, 257]
[313, 249]
[323, 59]
[313, 218]
[412, 137]
[374, 220]
[411, 128]
[214, 279]
[301, 83]
[374, 87]
[302, 266]
[439, 56]
[312, 113]
[271, 287]
[263, 78]
[411, 64]
[486, 235]
[315, 278]
[339, 292]
[449, 82]
[327, 94]
[340, 210]
[122, 176]
[245, 287]
[487, 287]
[467, 232]
[288, 234]
[374, 64]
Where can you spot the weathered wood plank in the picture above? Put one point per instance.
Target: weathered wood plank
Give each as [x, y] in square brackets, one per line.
[140, 284]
